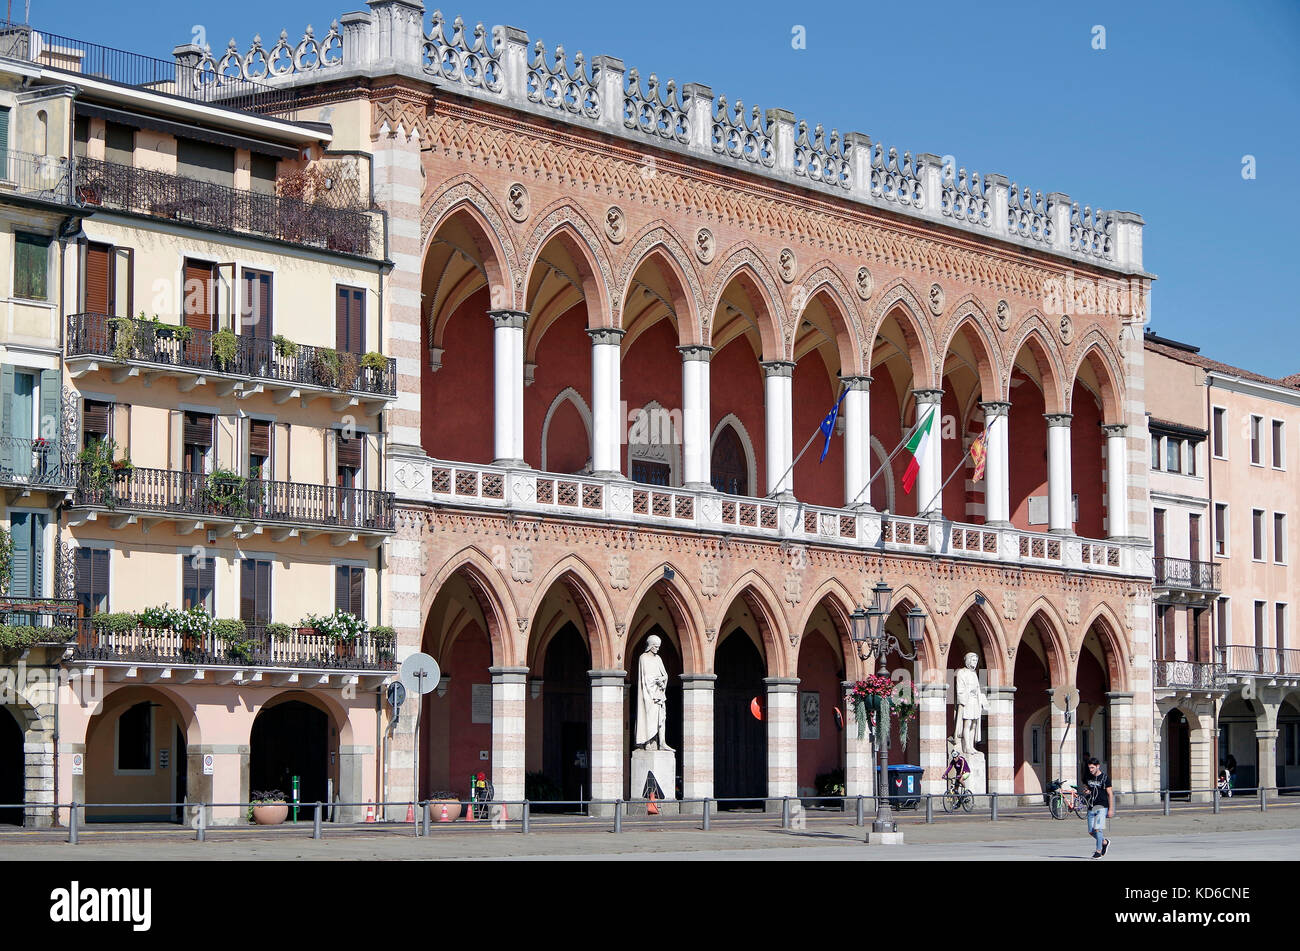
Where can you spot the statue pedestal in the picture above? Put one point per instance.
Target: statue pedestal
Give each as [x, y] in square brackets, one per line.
[663, 763]
[978, 779]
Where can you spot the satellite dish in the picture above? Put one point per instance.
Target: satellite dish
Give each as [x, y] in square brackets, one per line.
[419, 673]
[1067, 699]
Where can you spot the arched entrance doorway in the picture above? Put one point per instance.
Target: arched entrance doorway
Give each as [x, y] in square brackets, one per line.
[740, 744]
[1176, 741]
[291, 739]
[730, 464]
[12, 768]
[566, 715]
[1238, 746]
[136, 753]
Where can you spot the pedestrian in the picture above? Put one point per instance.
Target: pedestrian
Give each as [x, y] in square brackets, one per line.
[1103, 805]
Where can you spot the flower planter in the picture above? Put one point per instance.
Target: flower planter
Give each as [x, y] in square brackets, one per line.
[345, 650]
[454, 809]
[270, 813]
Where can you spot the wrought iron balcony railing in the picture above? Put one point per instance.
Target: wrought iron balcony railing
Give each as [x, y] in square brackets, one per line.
[1188, 674]
[199, 495]
[145, 191]
[43, 177]
[34, 463]
[127, 338]
[1184, 573]
[1265, 661]
[299, 649]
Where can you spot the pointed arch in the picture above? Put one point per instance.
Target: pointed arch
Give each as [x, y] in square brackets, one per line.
[491, 593]
[899, 301]
[746, 265]
[1110, 632]
[592, 603]
[746, 444]
[763, 603]
[987, 629]
[684, 607]
[566, 395]
[1051, 630]
[824, 282]
[1096, 351]
[578, 235]
[1035, 336]
[971, 322]
[928, 655]
[660, 244]
[839, 605]
[463, 195]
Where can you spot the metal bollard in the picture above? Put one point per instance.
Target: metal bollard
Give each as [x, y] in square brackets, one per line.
[860, 819]
[929, 808]
[72, 825]
[201, 830]
[993, 807]
[1263, 799]
[424, 818]
[524, 827]
[1218, 801]
[1165, 799]
[315, 824]
[785, 812]
[707, 804]
[618, 816]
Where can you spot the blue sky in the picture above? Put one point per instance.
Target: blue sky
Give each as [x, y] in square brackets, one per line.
[1159, 122]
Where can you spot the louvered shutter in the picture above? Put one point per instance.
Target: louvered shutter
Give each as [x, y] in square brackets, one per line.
[259, 438]
[350, 319]
[99, 281]
[4, 143]
[94, 419]
[51, 419]
[349, 451]
[198, 295]
[257, 305]
[198, 430]
[341, 588]
[357, 592]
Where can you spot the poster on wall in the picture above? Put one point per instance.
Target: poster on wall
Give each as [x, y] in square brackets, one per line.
[810, 715]
[480, 703]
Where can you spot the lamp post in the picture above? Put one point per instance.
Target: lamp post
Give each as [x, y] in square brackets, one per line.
[868, 632]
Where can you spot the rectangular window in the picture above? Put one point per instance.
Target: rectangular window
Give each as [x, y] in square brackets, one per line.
[198, 581]
[1224, 621]
[1261, 622]
[1257, 534]
[1155, 451]
[1190, 462]
[31, 266]
[197, 433]
[1036, 744]
[350, 319]
[1279, 444]
[135, 738]
[255, 592]
[256, 308]
[1279, 538]
[1220, 528]
[350, 589]
[1220, 429]
[1173, 454]
[1256, 438]
[4, 142]
[205, 162]
[119, 143]
[91, 580]
[1279, 625]
[259, 449]
[262, 174]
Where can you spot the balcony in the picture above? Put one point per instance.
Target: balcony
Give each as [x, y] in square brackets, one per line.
[210, 659]
[239, 506]
[132, 347]
[27, 464]
[1187, 675]
[1203, 577]
[1262, 661]
[236, 211]
[617, 500]
[43, 178]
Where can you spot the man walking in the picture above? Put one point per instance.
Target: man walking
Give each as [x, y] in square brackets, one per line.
[1103, 805]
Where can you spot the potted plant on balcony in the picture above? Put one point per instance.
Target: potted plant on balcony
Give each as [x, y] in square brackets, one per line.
[123, 338]
[194, 627]
[225, 345]
[348, 370]
[284, 347]
[325, 366]
[226, 493]
[341, 628]
[233, 633]
[268, 807]
[384, 639]
[100, 472]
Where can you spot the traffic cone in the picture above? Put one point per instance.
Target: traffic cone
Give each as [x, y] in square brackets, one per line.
[410, 812]
[469, 813]
[444, 817]
[370, 812]
[651, 809]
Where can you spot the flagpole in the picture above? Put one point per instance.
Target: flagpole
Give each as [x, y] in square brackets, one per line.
[964, 456]
[784, 475]
[888, 459]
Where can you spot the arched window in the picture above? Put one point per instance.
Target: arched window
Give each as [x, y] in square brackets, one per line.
[729, 465]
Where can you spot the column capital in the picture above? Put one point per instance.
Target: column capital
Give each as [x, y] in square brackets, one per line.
[508, 675]
[781, 684]
[1115, 429]
[508, 318]
[607, 336]
[857, 382]
[928, 396]
[995, 408]
[1120, 697]
[1000, 692]
[698, 681]
[607, 678]
[777, 368]
[1058, 419]
[696, 352]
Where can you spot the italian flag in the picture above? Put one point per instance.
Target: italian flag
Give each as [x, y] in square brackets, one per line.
[917, 446]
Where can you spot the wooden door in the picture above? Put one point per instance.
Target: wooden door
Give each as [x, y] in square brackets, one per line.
[728, 467]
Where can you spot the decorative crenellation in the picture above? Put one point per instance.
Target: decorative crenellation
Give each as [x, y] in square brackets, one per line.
[502, 67]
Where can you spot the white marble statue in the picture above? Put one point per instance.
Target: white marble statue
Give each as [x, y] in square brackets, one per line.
[651, 696]
[971, 707]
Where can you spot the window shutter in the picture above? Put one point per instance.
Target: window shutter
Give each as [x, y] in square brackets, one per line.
[98, 296]
[341, 319]
[257, 305]
[198, 297]
[349, 451]
[94, 418]
[341, 588]
[350, 319]
[259, 438]
[247, 590]
[51, 419]
[198, 430]
[357, 593]
[4, 143]
[263, 608]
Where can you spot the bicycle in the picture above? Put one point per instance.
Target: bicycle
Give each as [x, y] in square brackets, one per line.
[1061, 800]
[957, 796]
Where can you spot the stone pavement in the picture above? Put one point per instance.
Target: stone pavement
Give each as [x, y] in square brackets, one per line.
[1187, 835]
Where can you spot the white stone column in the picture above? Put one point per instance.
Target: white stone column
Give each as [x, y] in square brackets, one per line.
[857, 440]
[782, 736]
[696, 420]
[1119, 720]
[508, 386]
[1265, 758]
[1001, 740]
[1064, 755]
[934, 735]
[1060, 507]
[779, 383]
[697, 736]
[997, 465]
[509, 689]
[606, 401]
[859, 754]
[930, 477]
[607, 734]
[1117, 480]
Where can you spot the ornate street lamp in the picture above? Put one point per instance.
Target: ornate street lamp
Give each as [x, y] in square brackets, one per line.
[868, 632]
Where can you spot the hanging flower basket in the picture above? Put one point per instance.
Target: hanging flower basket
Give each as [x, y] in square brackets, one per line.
[906, 706]
[870, 699]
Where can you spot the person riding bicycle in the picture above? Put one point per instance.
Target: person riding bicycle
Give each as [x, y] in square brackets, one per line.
[958, 763]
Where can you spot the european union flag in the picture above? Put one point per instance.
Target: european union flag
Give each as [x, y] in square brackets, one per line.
[828, 425]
